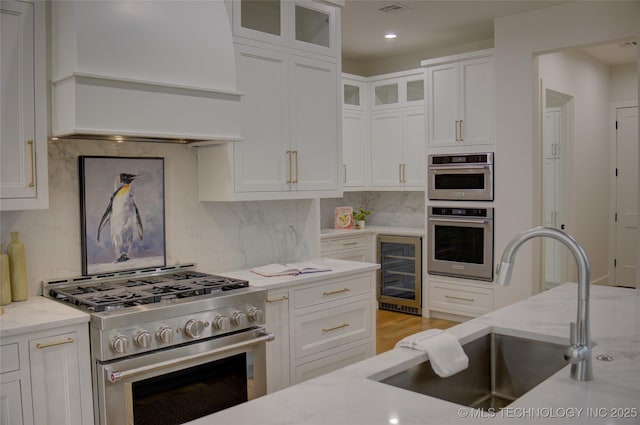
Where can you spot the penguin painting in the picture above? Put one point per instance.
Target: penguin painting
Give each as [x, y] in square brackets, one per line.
[124, 216]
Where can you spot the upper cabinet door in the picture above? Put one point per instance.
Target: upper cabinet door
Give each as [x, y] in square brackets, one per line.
[460, 101]
[313, 28]
[301, 24]
[477, 126]
[23, 143]
[261, 20]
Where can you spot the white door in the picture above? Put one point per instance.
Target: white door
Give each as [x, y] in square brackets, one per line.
[354, 149]
[386, 149]
[17, 138]
[414, 169]
[314, 124]
[476, 101]
[626, 226]
[261, 158]
[442, 104]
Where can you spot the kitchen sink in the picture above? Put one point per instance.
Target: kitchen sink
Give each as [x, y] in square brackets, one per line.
[501, 369]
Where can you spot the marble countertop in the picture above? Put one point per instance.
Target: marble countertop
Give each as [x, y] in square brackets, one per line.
[339, 268]
[373, 230]
[37, 314]
[347, 396]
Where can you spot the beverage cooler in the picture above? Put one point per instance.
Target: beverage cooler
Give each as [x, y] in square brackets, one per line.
[400, 273]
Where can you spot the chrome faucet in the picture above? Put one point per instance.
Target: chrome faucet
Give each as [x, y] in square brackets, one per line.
[579, 353]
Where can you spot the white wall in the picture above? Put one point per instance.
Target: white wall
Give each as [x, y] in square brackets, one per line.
[624, 83]
[217, 236]
[587, 81]
[518, 39]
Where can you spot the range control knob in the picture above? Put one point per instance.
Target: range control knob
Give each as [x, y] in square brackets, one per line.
[142, 339]
[165, 334]
[119, 344]
[239, 318]
[194, 328]
[255, 315]
[221, 323]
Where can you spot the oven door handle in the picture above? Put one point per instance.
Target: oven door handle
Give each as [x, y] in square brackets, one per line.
[458, 168]
[456, 220]
[114, 376]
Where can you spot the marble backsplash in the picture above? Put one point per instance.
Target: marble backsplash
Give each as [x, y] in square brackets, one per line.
[218, 236]
[394, 209]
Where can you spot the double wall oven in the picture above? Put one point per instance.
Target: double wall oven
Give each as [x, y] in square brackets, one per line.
[460, 234]
[169, 345]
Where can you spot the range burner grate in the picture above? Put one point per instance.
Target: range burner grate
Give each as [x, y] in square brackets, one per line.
[104, 296]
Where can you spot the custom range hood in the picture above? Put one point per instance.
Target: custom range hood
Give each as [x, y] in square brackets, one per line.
[143, 70]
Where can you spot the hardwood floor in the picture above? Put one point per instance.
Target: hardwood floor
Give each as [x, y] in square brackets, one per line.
[391, 327]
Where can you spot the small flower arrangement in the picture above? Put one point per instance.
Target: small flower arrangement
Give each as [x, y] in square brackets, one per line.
[360, 214]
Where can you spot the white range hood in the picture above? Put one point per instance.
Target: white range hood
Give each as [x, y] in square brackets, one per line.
[143, 70]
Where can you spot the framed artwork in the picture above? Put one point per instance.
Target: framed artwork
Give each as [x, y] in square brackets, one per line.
[121, 213]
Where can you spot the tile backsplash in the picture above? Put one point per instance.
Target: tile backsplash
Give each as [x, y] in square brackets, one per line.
[394, 209]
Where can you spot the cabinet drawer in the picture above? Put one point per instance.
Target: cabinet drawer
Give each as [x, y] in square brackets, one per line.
[325, 329]
[358, 242]
[9, 358]
[332, 362]
[332, 291]
[466, 300]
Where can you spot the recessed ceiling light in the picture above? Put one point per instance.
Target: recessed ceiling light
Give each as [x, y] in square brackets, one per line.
[390, 35]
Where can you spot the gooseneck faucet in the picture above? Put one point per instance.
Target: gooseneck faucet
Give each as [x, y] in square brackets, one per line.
[579, 353]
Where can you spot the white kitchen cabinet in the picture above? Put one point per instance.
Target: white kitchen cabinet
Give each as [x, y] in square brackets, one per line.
[290, 108]
[278, 358]
[397, 90]
[46, 377]
[348, 247]
[460, 100]
[23, 142]
[319, 327]
[458, 300]
[300, 24]
[291, 147]
[355, 133]
[329, 319]
[398, 149]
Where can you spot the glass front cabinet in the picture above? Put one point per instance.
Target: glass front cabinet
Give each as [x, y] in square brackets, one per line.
[400, 273]
[301, 24]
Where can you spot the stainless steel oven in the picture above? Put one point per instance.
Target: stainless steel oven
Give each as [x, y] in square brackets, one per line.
[169, 345]
[460, 242]
[463, 177]
[178, 385]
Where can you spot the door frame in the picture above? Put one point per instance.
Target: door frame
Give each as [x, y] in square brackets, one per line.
[613, 108]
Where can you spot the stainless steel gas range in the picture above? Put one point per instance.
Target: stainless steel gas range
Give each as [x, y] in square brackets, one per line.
[169, 345]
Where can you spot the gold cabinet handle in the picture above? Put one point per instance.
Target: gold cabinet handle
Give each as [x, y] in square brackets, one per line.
[460, 298]
[295, 153]
[349, 243]
[32, 162]
[339, 291]
[53, 344]
[400, 172]
[335, 328]
[282, 298]
[290, 175]
[461, 133]
[404, 175]
[344, 175]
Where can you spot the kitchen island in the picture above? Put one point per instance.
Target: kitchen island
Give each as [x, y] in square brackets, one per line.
[348, 396]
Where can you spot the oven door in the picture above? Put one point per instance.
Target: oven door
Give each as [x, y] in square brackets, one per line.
[461, 182]
[177, 385]
[460, 247]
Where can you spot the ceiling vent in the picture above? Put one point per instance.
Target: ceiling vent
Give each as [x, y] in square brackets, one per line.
[393, 8]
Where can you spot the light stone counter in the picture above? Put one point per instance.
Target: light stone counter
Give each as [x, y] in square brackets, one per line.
[339, 268]
[348, 397]
[373, 230]
[37, 314]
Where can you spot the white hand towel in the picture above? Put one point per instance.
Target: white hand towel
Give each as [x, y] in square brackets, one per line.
[445, 352]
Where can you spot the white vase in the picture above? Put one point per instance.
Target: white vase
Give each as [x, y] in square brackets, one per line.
[360, 224]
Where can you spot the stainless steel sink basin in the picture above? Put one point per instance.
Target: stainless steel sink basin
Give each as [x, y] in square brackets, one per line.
[501, 369]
